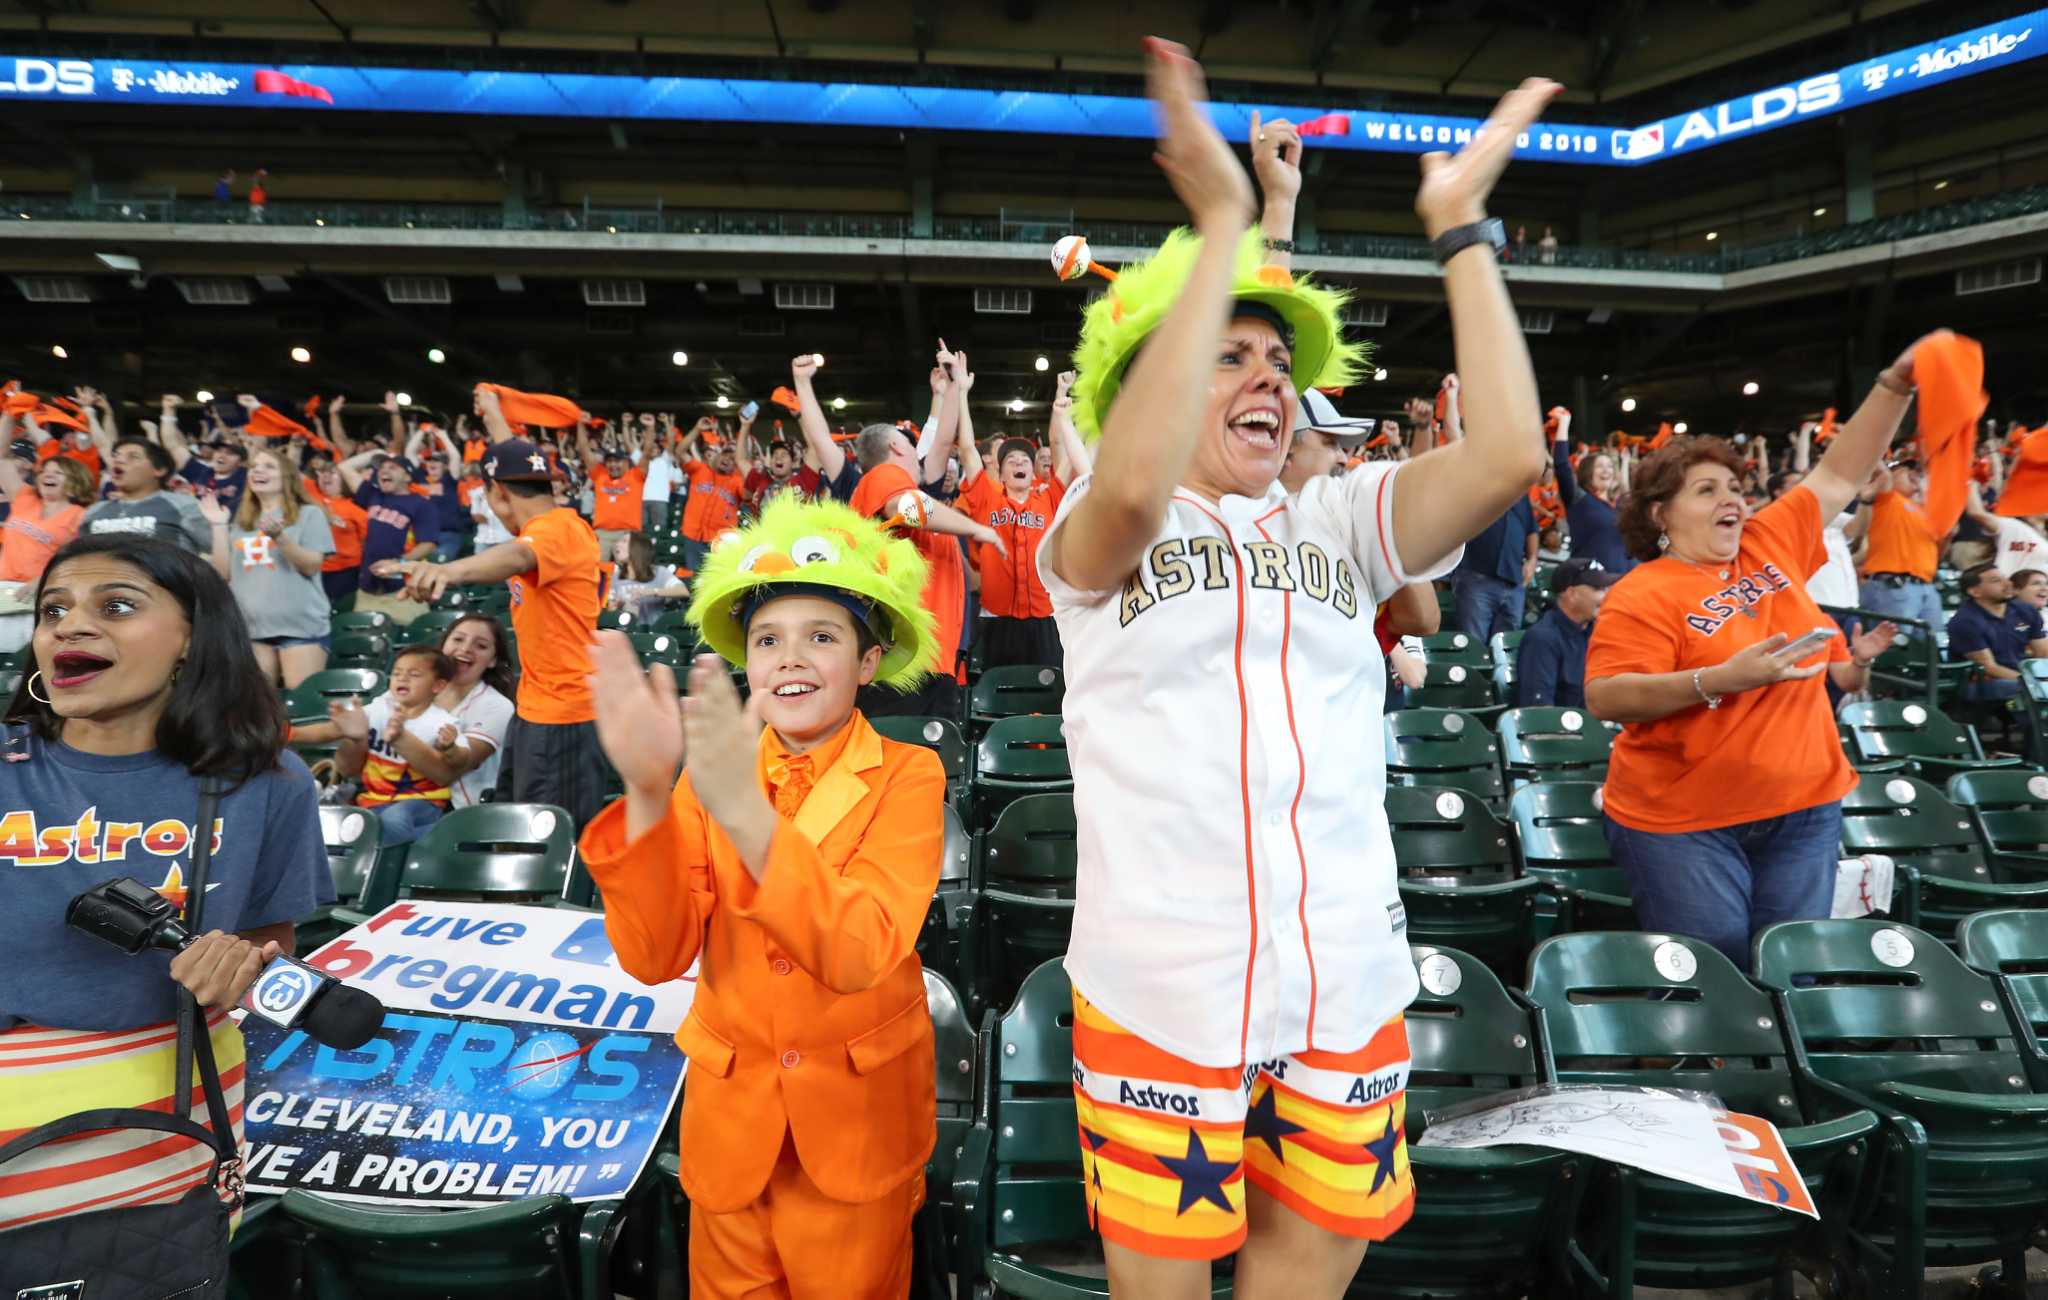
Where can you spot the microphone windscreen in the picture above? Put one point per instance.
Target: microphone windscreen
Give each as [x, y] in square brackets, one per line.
[344, 1017]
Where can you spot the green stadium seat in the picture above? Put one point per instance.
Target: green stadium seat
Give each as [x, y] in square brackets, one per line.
[954, 1055]
[1558, 829]
[676, 621]
[353, 837]
[371, 620]
[1455, 648]
[2009, 809]
[2012, 948]
[360, 650]
[1457, 877]
[943, 937]
[1016, 689]
[662, 648]
[1504, 646]
[1455, 685]
[1444, 747]
[1932, 744]
[942, 737]
[428, 628]
[1944, 873]
[1023, 893]
[1019, 756]
[620, 620]
[500, 852]
[491, 598]
[1021, 1218]
[1882, 1016]
[1488, 1222]
[307, 702]
[1617, 1009]
[1554, 744]
[538, 1247]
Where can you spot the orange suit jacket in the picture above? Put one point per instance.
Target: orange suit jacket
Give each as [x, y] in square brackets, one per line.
[809, 1015]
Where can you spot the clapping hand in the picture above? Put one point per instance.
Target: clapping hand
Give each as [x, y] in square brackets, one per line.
[722, 737]
[1455, 186]
[1202, 169]
[214, 512]
[639, 715]
[349, 719]
[1865, 647]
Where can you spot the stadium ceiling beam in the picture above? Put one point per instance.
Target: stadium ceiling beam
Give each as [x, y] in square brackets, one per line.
[483, 363]
[495, 15]
[1336, 18]
[1612, 39]
[1662, 336]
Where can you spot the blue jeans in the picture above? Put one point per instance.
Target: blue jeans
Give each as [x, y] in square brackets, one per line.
[1911, 599]
[1487, 605]
[1723, 886]
[405, 820]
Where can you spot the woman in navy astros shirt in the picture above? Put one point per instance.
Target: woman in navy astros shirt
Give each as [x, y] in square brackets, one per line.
[143, 685]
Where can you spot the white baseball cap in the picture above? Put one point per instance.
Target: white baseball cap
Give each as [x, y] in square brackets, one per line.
[1316, 412]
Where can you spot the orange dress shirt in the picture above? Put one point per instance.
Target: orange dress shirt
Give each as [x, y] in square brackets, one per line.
[810, 1016]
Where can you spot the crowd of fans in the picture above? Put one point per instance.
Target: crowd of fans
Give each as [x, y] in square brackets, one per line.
[307, 512]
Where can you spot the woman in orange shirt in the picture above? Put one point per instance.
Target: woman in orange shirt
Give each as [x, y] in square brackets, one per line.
[44, 515]
[792, 864]
[1723, 794]
[340, 573]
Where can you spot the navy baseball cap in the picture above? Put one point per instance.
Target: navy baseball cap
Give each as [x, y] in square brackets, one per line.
[515, 460]
[1582, 573]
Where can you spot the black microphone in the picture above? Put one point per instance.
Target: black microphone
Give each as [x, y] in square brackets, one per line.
[289, 994]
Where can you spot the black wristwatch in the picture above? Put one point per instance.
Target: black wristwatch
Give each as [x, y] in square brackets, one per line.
[1279, 245]
[1459, 238]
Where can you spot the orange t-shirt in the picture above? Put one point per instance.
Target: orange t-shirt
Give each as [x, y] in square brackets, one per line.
[618, 499]
[348, 522]
[1010, 585]
[714, 504]
[33, 533]
[86, 456]
[554, 610]
[1901, 538]
[945, 585]
[1764, 752]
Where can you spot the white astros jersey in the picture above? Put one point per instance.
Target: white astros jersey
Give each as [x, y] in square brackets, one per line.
[1236, 895]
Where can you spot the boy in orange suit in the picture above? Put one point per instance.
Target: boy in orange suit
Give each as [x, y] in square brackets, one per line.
[793, 864]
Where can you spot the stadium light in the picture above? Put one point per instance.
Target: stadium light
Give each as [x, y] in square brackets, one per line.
[1041, 365]
[1379, 375]
[202, 395]
[301, 355]
[403, 399]
[1680, 427]
[680, 357]
[723, 401]
[1820, 211]
[1628, 403]
[1750, 389]
[1941, 185]
[57, 351]
[1016, 405]
[436, 355]
[1713, 235]
[838, 403]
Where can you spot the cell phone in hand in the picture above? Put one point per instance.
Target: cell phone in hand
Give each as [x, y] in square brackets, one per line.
[750, 410]
[1807, 644]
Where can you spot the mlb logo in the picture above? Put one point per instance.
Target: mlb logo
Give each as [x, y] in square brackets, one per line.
[1643, 142]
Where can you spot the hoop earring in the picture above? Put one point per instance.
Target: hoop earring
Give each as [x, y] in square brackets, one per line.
[1663, 541]
[31, 685]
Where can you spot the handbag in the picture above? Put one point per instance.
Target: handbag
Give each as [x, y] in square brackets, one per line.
[177, 1251]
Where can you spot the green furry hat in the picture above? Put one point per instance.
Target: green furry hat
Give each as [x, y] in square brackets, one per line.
[798, 544]
[1117, 322]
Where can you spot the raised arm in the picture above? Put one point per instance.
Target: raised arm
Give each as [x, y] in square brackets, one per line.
[1561, 460]
[1859, 444]
[495, 423]
[1276, 161]
[810, 417]
[351, 469]
[395, 439]
[591, 460]
[743, 446]
[1449, 495]
[344, 445]
[168, 433]
[950, 381]
[1069, 454]
[1152, 429]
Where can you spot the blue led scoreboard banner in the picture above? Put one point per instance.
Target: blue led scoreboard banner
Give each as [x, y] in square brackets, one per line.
[339, 88]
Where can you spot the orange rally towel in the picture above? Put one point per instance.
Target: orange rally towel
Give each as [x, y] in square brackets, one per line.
[269, 422]
[1949, 370]
[1827, 428]
[20, 403]
[313, 407]
[1663, 435]
[787, 400]
[47, 414]
[543, 409]
[2026, 488]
